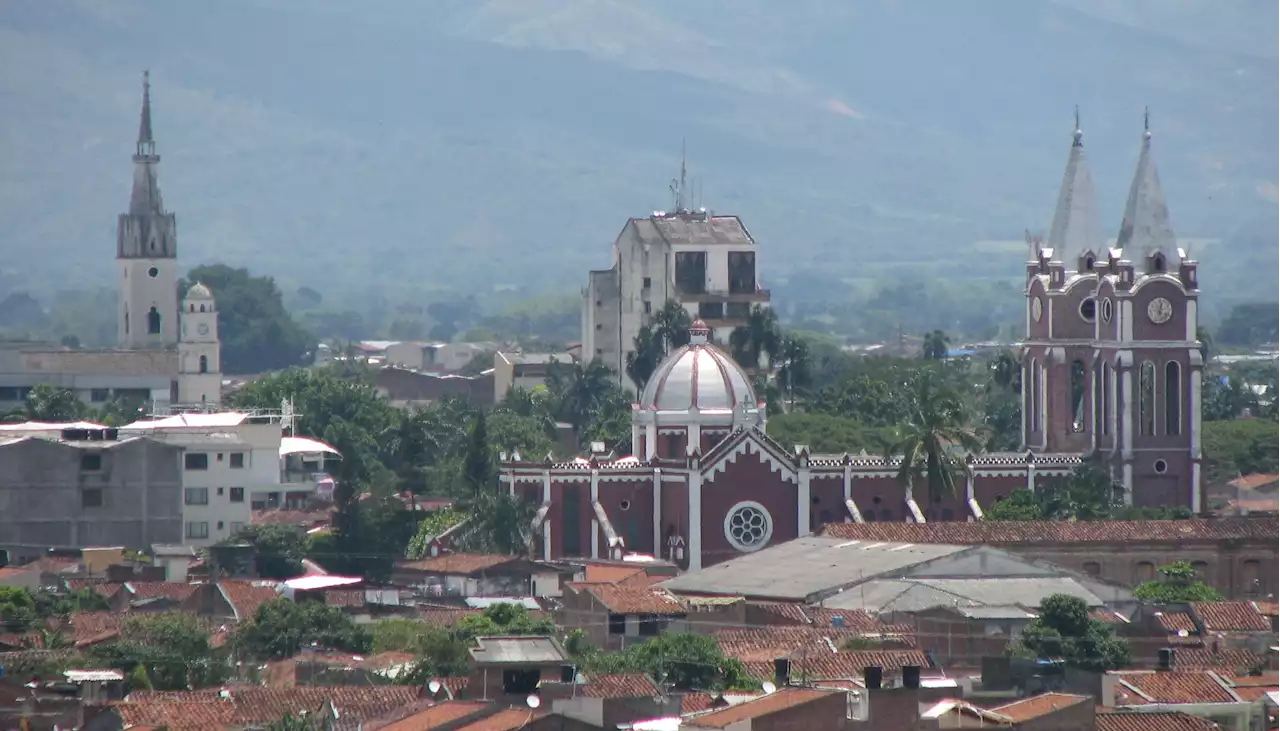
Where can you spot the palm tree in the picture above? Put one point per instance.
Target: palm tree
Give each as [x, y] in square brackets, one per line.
[670, 325]
[935, 441]
[1006, 371]
[793, 371]
[643, 360]
[579, 390]
[760, 336]
[935, 345]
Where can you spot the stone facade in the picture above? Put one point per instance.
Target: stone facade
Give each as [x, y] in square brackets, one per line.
[125, 492]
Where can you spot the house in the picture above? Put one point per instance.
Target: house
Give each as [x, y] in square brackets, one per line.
[240, 707]
[615, 616]
[1202, 693]
[471, 574]
[523, 370]
[511, 668]
[799, 708]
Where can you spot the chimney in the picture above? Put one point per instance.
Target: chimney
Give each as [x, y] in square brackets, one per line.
[911, 676]
[872, 675]
[782, 671]
[1165, 661]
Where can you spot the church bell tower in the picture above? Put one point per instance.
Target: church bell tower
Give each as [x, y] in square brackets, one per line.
[147, 251]
[199, 350]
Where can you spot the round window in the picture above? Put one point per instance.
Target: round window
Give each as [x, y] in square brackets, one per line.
[153, 272]
[1161, 466]
[1089, 309]
[748, 526]
[1106, 310]
[625, 505]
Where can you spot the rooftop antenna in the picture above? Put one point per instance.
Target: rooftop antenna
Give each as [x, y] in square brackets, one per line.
[677, 186]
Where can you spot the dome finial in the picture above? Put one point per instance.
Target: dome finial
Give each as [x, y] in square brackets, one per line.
[699, 333]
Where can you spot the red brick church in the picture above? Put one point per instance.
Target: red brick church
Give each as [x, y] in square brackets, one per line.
[1111, 366]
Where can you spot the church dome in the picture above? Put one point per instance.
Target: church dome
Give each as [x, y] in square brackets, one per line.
[700, 376]
[199, 292]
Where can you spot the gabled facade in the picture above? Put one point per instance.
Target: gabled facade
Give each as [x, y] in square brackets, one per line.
[1111, 361]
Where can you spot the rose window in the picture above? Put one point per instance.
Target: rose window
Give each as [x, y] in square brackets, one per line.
[748, 526]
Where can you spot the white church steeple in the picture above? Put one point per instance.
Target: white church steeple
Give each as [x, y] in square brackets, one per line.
[147, 251]
[199, 350]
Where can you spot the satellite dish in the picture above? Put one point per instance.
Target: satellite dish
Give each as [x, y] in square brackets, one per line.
[768, 687]
[533, 701]
[434, 686]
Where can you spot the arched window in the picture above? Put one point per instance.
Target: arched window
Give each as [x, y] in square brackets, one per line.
[1251, 577]
[1033, 397]
[1077, 395]
[1172, 398]
[1157, 262]
[1202, 570]
[1147, 398]
[1144, 571]
[202, 308]
[153, 322]
[1093, 568]
[193, 308]
[1106, 397]
[204, 364]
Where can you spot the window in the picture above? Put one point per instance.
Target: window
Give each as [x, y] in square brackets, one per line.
[237, 460]
[648, 307]
[237, 495]
[1251, 577]
[1160, 466]
[650, 625]
[571, 521]
[737, 310]
[198, 529]
[1144, 571]
[748, 526]
[196, 496]
[219, 525]
[1089, 309]
[204, 364]
[648, 282]
[91, 462]
[742, 272]
[1172, 398]
[220, 491]
[91, 497]
[153, 322]
[237, 528]
[617, 624]
[1147, 398]
[98, 395]
[711, 310]
[196, 461]
[1077, 396]
[1033, 398]
[1093, 568]
[691, 272]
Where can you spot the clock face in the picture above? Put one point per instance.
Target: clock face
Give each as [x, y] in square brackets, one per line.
[1037, 309]
[1160, 310]
[203, 329]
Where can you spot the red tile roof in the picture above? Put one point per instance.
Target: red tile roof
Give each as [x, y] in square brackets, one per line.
[105, 589]
[14, 573]
[440, 617]
[308, 518]
[1174, 621]
[89, 628]
[621, 685]
[607, 574]
[1178, 686]
[854, 619]
[1025, 709]
[508, 719]
[202, 710]
[344, 597]
[1118, 720]
[1269, 609]
[458, 563]
[433, 717]
[1254, 481]
[1034, 532]
[786, 611]
[1231, 616]
[763, 706]
[834, 665]
[632, 598]
[1225, 658]
[246, 596]
[175, 590]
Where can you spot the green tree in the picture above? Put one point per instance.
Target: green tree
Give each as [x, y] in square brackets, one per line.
[1240, 447]
[1021, 505]
[1064, 630]
[437, 522]
[302, 721]
[935, 345]
[118, 411]
[793, 365]
[256, 330]
[687, 661]
[282, 628]
[647, 351]
[17, 609]
[1227, 397]
[278, 550]
[759, 338]
[139, 680]
[497, 522]
[1178, 585]
[51, 404]
[935, 439]
[479, 470]
[172, 647]
[825, 433]
[1250, 324]
[671, 325]
[579, 391]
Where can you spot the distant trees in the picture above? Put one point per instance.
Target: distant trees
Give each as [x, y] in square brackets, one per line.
[1065, 630]
[935, 345]
[1250, 324]
[282, 628]
[257, 333]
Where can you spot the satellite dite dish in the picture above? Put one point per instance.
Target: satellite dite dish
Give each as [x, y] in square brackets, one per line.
[768, 687]
[533, 701]
[434, 686]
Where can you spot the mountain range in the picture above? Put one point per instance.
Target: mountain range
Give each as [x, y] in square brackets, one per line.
[414, 151]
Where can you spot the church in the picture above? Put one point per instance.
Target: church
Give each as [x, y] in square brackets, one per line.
[167, 353]
[1111, 370]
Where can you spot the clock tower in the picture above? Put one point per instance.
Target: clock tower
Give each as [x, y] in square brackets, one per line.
[1112, 365]
[199, 367]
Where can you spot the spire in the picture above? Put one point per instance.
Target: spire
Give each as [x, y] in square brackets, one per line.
[1076, 225]
[146, 144]
[1145, 229]
[145, 197]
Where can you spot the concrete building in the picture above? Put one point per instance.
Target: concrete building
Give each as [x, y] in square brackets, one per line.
[160, 351]
[525, 370]
[231, 461]
[88, 488]
[705, 262]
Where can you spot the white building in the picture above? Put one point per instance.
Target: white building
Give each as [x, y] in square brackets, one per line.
[233, 462]
[705, 262]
